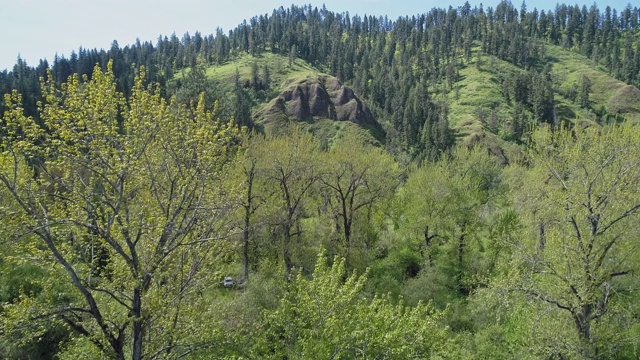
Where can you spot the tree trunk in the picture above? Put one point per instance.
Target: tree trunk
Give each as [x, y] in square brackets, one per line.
[118, 345]
[245, 236]
[137, 324]
[427, 245]
[583, 324]
[347, 238]
[463, 290]
[247, 220]
[460, 250]
[119, 353]
[288, 263]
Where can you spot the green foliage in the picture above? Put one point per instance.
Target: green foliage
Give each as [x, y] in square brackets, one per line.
[584, 89]
[326, 316]
[354, 183]
[122, 210]
[113, 193]
[447, 215]
[579, 252]
[25, 286]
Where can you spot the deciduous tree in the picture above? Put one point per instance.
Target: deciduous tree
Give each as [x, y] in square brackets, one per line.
[581, 250]
[126, 199]
[357, 175]
[290, 164]
[327, 317]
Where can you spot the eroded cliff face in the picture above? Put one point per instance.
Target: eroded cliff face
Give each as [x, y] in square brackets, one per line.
[625, 101]
[320, 96]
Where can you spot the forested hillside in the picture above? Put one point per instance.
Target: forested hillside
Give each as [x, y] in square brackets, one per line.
[461, 183]
[531, 66]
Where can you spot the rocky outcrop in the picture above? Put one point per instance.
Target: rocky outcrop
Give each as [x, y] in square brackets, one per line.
[321, 96]
[625, 101]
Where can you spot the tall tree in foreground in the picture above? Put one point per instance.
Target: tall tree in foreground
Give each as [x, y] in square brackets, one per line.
[581, 254]
[127, 200]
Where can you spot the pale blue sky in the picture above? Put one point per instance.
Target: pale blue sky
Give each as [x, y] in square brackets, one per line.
[38, 29]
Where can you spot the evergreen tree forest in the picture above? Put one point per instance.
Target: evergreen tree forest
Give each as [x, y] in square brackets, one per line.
[457, 184]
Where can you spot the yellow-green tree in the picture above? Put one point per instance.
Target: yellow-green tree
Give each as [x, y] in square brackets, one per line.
[578, 252]
[448, 208]
[128, 198]
[254, 194]
[326, 316]
[289, 164]
[355, 178]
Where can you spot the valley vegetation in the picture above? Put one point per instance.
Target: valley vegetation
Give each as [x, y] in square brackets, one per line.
[459, 184]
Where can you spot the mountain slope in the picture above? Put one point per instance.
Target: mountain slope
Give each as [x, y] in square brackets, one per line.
[479, 109]
[479, 106]
[416, 74]
[296, 93]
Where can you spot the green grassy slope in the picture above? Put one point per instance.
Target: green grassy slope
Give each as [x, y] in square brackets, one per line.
[476, 101]
[281, 74]
[606, 90]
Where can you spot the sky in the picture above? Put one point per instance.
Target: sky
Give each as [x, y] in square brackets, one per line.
[38, 29]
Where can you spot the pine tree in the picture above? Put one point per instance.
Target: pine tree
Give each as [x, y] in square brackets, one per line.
[584, 89]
